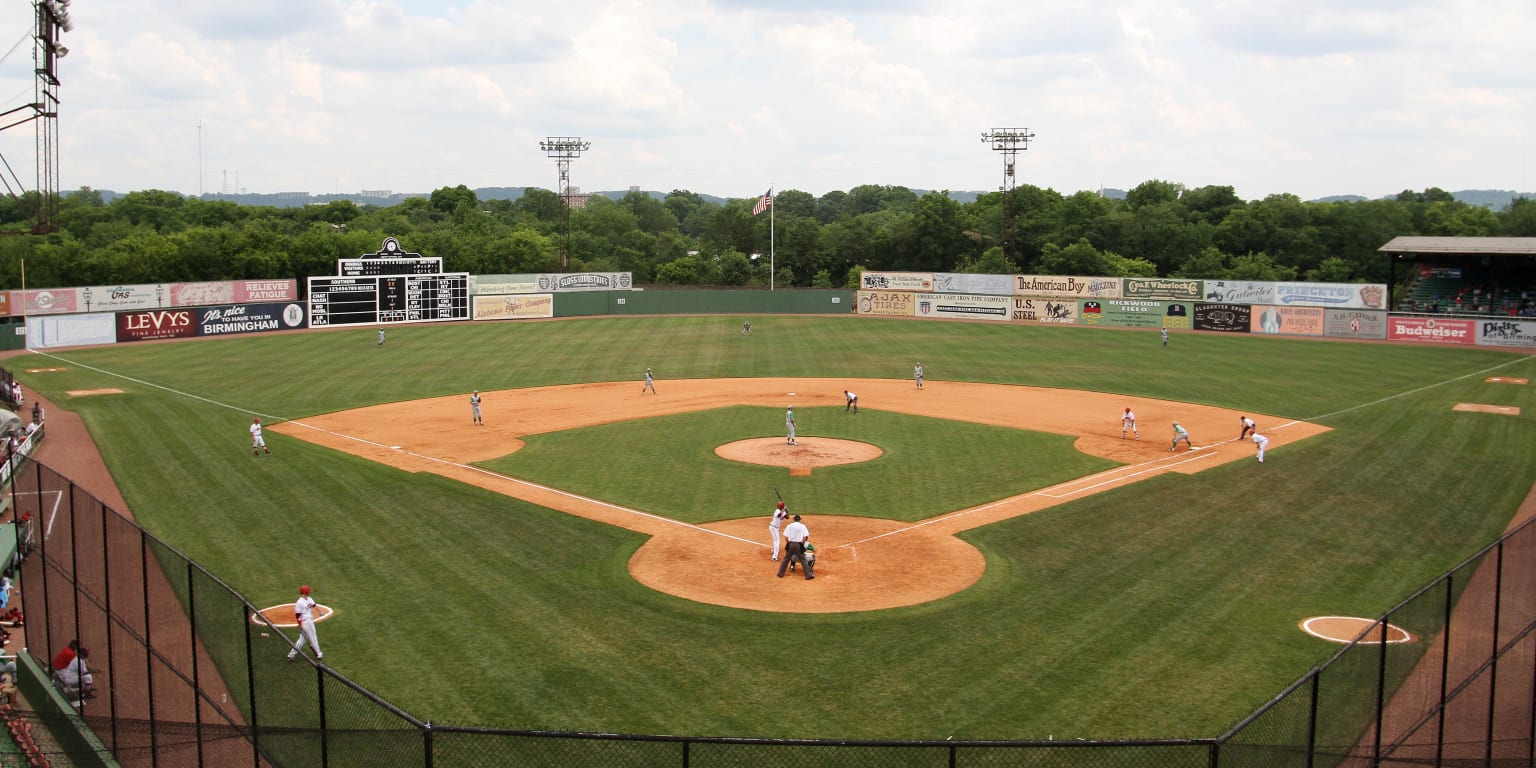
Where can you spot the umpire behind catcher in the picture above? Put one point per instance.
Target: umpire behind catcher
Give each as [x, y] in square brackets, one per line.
[795, 537]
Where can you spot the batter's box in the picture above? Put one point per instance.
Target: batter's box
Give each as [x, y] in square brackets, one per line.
[1506, 410]
[1506, 380]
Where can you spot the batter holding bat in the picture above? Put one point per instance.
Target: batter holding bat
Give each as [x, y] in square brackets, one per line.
[780, 514]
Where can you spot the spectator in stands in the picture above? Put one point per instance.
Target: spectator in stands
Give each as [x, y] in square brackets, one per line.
[37, 412]
[8, 692]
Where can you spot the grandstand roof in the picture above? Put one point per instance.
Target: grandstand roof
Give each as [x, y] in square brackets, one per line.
[1462, 246]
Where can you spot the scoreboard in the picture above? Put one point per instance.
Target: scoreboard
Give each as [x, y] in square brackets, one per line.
[375, 299]
[369, 267]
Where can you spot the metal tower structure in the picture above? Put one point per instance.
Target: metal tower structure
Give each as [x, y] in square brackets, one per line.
[1008, 141]
[52, 21]
[564, 149]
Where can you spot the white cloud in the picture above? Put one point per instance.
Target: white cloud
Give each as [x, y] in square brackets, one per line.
[1312, 97]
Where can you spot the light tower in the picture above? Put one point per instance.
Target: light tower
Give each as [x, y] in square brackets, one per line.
[1008, 141]
[564, 149]
[52, 20]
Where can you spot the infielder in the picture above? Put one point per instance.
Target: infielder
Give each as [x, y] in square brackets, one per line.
[853, 401]
[1180, 433]
[650, 383]
[1248, 427]
[257, 443]
[917, 375]
[1261, 442]
[789, 424]
[474, 408]
[1128, 421]
[304, 616]
[780, 514]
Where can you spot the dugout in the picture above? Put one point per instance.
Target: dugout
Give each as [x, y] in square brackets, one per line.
[1482, 276]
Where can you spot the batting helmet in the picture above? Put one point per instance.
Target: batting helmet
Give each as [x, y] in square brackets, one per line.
[781, 505]
[303, 589]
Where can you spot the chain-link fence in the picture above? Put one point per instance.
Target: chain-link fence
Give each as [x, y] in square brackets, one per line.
[186, 677]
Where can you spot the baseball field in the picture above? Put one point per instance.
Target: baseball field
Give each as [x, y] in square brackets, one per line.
[1004, 566]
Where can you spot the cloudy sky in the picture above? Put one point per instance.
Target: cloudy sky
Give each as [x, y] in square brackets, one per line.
[727, 97]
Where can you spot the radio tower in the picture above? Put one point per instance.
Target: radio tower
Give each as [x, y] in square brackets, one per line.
[564, 149]
[1008, 141]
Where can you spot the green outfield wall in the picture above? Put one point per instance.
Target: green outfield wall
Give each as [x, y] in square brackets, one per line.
[703, 302]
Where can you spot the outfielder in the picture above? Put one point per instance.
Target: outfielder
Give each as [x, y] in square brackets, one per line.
[789, 424]
[746, 327]
[304, 616]
[257, 443]
[1262, 442]
[1128, 421]
[1180, 433]
[780, 514]
[474, 408]
[381, 338]
[650, 383]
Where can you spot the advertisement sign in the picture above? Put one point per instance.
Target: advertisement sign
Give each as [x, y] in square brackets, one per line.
[156, 324]
[1223, 318]
[496, 285]
[1436, 330]
[1507, 333]
[1067, 287]
[49, 301]
[584, 281]
[1120, 313]
[1043, 310]
[962, 306]
[956, 282]
[1352, 295]
[1354, 324]
[249, 318]
[896, 281]
[890, 303]
[1160, 288]
[1239, 292]
[514, 307]
[1289, 321]
[233, 292]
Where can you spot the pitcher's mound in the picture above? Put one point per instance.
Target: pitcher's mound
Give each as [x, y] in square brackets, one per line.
[1347, 629]
[807, 453]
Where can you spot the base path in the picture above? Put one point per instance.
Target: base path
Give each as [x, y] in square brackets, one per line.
[863, 563]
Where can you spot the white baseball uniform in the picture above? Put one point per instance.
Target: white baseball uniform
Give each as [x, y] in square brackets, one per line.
[779, 516]
[1128, 421]
[304, 616]
[1262, 442]
[789, 424]
[257, 443]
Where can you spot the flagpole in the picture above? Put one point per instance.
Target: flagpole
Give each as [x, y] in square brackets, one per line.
[771, 274]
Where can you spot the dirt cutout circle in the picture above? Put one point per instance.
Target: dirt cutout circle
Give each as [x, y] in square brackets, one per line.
[863, 563]
[281, 616]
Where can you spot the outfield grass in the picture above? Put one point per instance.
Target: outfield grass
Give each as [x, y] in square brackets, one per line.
[1167, 608]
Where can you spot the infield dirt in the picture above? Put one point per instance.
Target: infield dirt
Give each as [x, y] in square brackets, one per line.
[863, 563]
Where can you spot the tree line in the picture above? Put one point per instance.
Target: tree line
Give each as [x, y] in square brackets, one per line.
[1159, 228]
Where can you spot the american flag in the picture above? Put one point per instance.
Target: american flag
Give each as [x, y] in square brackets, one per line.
[763, 202]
